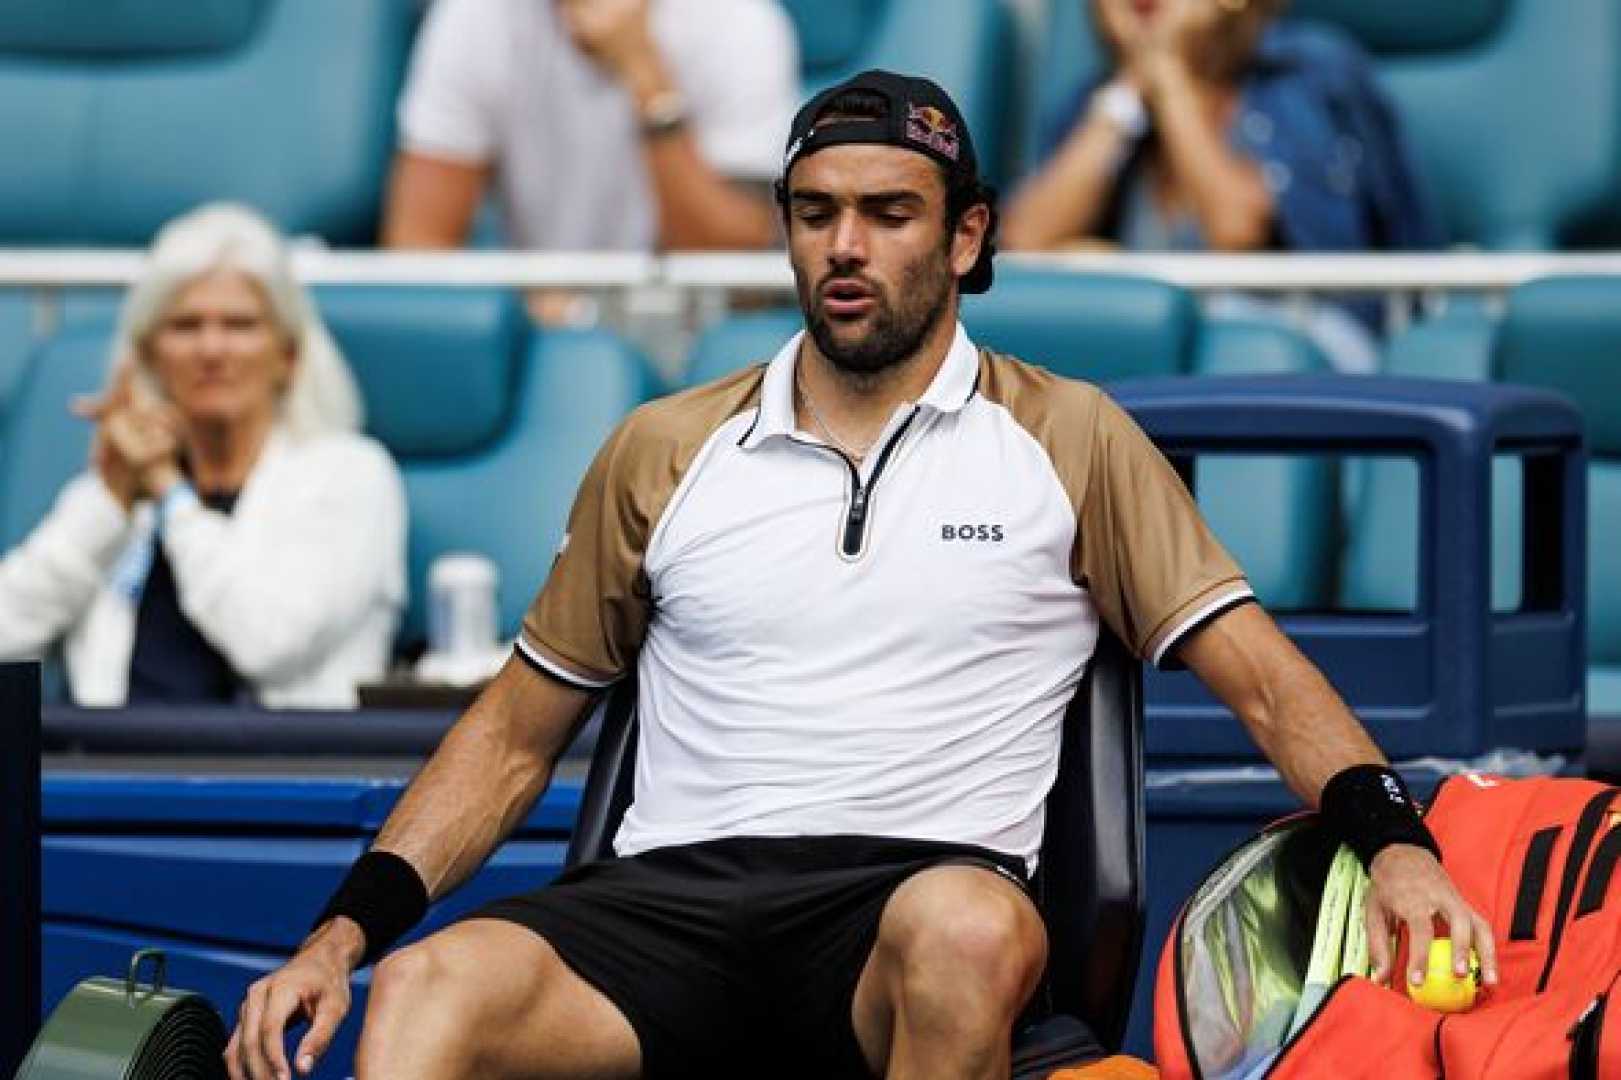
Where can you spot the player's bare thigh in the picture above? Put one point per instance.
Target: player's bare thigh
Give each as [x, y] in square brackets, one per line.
[494, 999]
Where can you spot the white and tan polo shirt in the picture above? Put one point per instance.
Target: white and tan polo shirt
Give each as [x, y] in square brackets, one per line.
[886, 651]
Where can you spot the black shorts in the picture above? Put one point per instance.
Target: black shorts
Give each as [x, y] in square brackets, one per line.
[735, 956]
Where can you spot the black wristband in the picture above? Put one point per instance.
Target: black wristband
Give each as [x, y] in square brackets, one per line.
[1370, 808]
[384, 895]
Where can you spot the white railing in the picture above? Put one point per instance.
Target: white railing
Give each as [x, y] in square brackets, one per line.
[662, 300]
[1449, 272]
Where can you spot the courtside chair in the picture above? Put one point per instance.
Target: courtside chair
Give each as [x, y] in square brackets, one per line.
[1280, 517]
[122, 115]
[967, 46]
[1512, 108]
[493, 424]
[1559, 333]
[1090, 883]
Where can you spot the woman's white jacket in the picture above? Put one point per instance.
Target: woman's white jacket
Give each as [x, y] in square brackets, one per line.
[300, 587]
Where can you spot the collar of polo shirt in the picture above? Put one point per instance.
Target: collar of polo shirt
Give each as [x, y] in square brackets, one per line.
[952, 388]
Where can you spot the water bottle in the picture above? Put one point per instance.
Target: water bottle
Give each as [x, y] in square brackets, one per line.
[461, 605]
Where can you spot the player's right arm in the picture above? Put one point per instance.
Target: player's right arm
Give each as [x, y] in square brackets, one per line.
[488, 771]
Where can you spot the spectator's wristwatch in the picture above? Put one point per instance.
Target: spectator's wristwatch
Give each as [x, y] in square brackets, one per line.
[665, 113]
[1122, 105]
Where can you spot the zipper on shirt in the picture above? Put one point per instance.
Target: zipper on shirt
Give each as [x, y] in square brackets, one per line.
[853, 539]
[858, 512]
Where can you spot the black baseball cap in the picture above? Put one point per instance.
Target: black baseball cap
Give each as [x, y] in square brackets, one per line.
[920, 117]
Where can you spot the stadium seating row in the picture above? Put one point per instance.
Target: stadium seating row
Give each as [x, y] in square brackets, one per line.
[494, 421]
[131, 116]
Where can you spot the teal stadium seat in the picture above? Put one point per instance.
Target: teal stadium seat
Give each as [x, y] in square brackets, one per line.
[1512, 107]
[1559, 333]
[493, 424]
[16, 340]
[42, 445]
[121, 115]
[965, 45]
[1103, 328]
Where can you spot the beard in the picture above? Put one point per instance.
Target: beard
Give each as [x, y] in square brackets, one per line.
[895, 331]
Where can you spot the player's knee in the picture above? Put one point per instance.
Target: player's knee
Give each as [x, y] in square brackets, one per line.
[406, 974]
[984, 945]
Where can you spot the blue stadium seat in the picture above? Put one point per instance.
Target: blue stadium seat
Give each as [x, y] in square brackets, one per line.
[1096, 328]
[493, 424]
[42, 445]
[965, 45]
[1462, 74]
[1105, 327]
[16, 340]
[132, 113]
[1560, 333]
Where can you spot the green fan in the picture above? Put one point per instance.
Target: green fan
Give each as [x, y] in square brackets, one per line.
[106, 1029]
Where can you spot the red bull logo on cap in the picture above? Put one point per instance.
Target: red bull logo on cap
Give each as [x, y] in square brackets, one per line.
[934, 129]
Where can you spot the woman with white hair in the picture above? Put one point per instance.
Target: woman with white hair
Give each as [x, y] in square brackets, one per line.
[235, 534]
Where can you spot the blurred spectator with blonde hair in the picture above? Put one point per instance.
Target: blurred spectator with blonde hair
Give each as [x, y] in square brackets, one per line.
[235, 534]
[604, 124]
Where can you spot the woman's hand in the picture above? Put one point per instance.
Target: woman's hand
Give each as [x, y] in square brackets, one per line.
[1209, 40]
[120, 478]
[142, 448]
[1126, 31]
[115, 472]
[1173, 45]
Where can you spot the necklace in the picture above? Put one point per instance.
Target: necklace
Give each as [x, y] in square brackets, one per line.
[839, 444]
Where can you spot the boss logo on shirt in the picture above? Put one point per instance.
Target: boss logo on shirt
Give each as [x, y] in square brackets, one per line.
[972, 533]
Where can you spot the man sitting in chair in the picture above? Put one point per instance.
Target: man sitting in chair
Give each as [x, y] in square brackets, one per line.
[858, 586]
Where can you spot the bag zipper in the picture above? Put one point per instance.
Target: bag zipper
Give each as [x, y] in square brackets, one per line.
[1322, 1007]
[1587, 1033]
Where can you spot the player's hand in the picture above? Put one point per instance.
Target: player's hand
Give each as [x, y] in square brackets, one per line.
[1407, 887]
[614, 33]
[312, 986]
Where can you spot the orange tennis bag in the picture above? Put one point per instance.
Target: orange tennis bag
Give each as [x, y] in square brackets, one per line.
[1537, 857]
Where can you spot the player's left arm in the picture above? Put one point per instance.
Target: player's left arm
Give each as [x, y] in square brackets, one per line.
[1309, 733]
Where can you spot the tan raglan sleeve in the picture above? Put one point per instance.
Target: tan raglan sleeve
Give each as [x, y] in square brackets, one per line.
[1142, 549]
[586, 624]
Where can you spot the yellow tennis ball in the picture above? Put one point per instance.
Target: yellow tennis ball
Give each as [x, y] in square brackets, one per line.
[1442, 990]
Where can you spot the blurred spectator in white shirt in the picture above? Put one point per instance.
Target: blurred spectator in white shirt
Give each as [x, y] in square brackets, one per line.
[605, 124]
